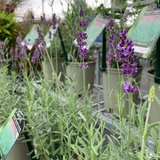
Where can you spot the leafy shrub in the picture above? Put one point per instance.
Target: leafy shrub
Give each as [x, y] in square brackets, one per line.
[8, 27]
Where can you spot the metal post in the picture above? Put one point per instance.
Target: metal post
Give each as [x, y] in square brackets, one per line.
[157, 77]
[63, 47]
[30, 147]
[98, 68]
[103, 67]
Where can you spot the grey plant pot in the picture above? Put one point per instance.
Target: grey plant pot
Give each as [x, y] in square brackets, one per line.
[47, 69]
[76, 74]
[114, 79]
[19, 151]
[155, 107]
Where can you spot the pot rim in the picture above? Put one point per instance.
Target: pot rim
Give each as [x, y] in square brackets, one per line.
[150, 74]
[54, 58]
[116, 69]
[78, 63]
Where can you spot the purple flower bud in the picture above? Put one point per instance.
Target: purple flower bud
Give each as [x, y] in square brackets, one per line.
[127, 88]
[134, 89]
[12, 53]
[81, 13]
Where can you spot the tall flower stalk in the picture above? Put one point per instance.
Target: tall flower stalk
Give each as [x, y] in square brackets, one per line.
[82, 47]
[123, 52]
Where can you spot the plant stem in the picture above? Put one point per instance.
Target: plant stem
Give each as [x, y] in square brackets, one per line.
[84, 85]
[56, 58]
[143, 140]
[110, 102]
[56, 82]
[120, 85]
[128, 147]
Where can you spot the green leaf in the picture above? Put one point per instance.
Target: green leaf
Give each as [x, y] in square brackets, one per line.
[84, 144]
[94, 150]
[149, 128]
[82, 116]
[157, 99]
[154, 136]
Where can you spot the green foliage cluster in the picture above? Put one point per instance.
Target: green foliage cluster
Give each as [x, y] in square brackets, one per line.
[8, 28]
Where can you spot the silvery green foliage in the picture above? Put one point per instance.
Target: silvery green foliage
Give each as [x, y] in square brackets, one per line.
[9, 99]
[57, 126]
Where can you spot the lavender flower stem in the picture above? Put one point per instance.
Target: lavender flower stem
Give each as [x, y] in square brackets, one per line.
[56, 81]
[56, 58]
[130, 103]
[120, 107]
[84, 84]
[109, 90]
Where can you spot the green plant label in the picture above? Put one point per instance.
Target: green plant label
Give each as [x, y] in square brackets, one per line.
[48, 37]
[9, 133]
[94, 30]
[31, 36]
[145, 32]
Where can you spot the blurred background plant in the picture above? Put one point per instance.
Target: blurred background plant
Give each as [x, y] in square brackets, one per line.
[52, 49]
[8, 28]
[12, 3]
[9, 97]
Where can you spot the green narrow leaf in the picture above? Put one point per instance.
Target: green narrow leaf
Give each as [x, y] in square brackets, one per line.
[82, 116]
[94, 150]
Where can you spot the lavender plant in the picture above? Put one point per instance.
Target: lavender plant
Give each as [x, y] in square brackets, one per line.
[72, 21]
[20, 57]
[123, 52]
[61, 130]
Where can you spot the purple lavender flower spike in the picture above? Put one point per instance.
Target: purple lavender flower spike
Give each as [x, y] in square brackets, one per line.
[81, 13]
[127, 88]
[32, 17]
[16, 53]
[110, 26]
[86, 65]
[42, 18]
[12, 53]
[74, 29]
[134, 89]
[1, 47]
[55, 34]
[81, 67]
[21, 54]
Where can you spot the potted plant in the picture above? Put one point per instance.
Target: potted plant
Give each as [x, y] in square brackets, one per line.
[55, 50]
[80, 57]
[10, 100]
[112, 78]
[56, 54]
